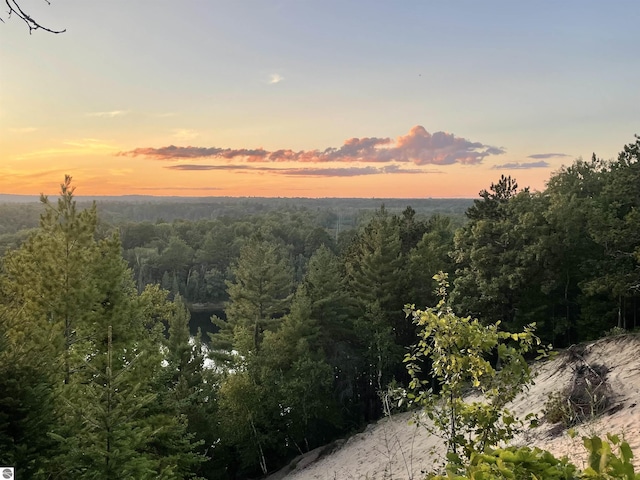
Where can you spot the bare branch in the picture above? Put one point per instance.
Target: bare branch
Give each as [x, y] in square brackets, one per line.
[15, 9]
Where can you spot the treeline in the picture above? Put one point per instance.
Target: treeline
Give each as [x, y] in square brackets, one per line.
[567, 258]
[19, 212]
[98, 372]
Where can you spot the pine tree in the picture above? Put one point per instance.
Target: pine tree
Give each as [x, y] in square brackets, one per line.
[186, 391]
[375, 279]
[375, 272]
[55, 276]
[54, 287]
[26, 395]
[301, 378]
[330, 303]
[118, 422]
[70, 311]
[428, 257]
[259, 296]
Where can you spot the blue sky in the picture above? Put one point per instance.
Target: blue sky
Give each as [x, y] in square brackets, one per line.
[442, 97]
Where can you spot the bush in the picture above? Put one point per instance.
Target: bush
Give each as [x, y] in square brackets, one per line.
[615, 331]
[557, 409]
[525, 463]
[458, 352]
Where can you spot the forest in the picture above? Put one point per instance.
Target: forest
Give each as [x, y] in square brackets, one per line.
[103, 376]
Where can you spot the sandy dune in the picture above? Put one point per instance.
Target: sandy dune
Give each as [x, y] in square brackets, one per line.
[396, 448]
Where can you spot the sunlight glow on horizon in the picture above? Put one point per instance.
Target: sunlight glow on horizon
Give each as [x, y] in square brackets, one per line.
[412, 100]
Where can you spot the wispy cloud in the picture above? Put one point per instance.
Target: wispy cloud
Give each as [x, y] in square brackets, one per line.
[521, 165]
[218, 167]
[351, 172]
[173, 187]
[275, 78]
[418, 147]
[111, 114]
[547, 155]
[304, 172]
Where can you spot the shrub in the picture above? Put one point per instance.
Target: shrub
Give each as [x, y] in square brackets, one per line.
[526, 463]
[615, 331]
[458, 351]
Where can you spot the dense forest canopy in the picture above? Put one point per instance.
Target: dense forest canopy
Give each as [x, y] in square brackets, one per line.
[22, 211]
[100, 374]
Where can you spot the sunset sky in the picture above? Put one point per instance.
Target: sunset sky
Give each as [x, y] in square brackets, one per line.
[301, 98]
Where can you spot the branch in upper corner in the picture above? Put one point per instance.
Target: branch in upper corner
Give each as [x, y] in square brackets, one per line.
[15, 9]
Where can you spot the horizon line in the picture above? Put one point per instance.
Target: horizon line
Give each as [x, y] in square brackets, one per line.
[137, 195]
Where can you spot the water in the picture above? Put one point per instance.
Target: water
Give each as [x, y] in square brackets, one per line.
[201, 319]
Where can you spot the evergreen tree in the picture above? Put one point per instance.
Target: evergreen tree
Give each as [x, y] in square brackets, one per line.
[614, 227]
[301, 378]
[82, 325]
[496, 254]
[55, 276]
[186, 391]
[259, 295]
[375, 270]
[26, 394]
[569, 249]
[330, 305]
[375, 277]
[411, 229]
[428, 257]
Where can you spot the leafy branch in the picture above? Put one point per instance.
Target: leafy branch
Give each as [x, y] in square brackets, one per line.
[458, 352]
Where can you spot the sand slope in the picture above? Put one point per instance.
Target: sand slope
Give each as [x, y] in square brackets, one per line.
[396, 448]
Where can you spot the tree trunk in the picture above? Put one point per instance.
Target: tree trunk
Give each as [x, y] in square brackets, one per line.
[261, 458]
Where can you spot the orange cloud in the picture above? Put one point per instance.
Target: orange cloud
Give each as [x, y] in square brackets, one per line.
[303, 172]
[418, 147]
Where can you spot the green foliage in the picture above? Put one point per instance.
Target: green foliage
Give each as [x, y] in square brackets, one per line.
[458, 350]
[106, 432]
[499, 264]
[55, 277]
[185, 392]
[525, 463]
[258, 296]
[26, 404]
[375, 270]
[429, 256]
[279, 399]
[557, 409]
[565, 258]
[604, 464]
[511, 463]
[294, 369]
[615, 331]
[85, 353]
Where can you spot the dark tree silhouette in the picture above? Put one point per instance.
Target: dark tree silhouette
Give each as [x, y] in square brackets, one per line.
[16, 9]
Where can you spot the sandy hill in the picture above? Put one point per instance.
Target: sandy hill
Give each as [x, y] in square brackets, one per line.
[397, 448]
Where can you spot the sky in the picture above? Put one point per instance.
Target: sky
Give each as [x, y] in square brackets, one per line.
[301, 98]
